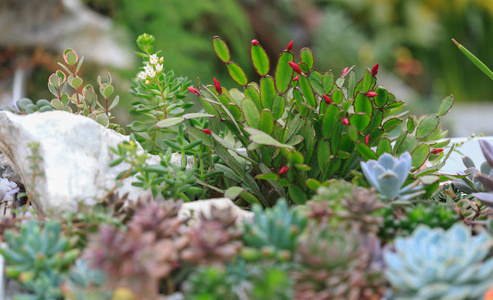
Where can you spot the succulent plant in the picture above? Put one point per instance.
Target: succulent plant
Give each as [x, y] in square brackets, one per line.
[277, 228]
[84, 283]
[35, 251]
[7, 189]
[210, 282]
[213, 240]
[46, 286]
[26, 106]
[133, 259]
[403, 221]
[337, 264]
[439, 264]
[471, 184]
[388, 175]
[485, 179]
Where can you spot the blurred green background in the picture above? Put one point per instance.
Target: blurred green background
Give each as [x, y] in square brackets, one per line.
[411, 39]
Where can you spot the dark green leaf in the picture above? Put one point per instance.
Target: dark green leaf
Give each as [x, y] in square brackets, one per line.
[221, 49]
[365, 151]
[445, 105]
[427, 126]
[260, 60]
[297, 195]
[306, 56]
[237, 73]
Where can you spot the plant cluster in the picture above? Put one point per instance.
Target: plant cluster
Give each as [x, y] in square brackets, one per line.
[342, 208]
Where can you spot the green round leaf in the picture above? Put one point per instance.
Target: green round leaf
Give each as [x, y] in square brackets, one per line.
[267, 91]
[260, 60]
[266, 121]
[420, 155]
[103, 120]
[57, 104]
[221, 49]
[427, 126]
[384, 146]
[250, 112]
[284, 72]
[362, 104]
[306, 56]
[382, 97]
[337, 96]
[360, 121]
[328, 82]
[237, 73]
[445, 105]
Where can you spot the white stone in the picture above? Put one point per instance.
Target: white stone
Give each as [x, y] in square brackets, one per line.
[75, 158]
[194, 208]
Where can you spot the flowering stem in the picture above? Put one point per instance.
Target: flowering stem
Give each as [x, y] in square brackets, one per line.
[164, 98]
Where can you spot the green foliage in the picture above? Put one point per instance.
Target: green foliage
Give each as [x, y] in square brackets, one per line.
[83, 283]
[301, 132]
[84, 98]
[160, 96]
[26, 106]
[403, 221]
[38, 257]
[438, 264]
[275, 229]
[208, 283]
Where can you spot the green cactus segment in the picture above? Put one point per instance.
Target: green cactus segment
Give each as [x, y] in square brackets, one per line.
[336, 137]
[250, 113]
[260, 60]
[391, 123]
[237, 73]
[221, 49]
[278, 107]
[267, 91]
[368, 81]
[353, 133]
[360, 121]
[445, 105]
[307, 91]
[411, 124]
[384, 146]
[362, 104]
[297, 195]
[316, 81]
[198, 134]
[328, 82]
[337, 96]
[323, 153]
[177, 120]
[427, 126]
[382, 98]
[365, 151]
[420, 155]
[329, 120]
[251, 91]
[306, 56]
[284, 72]
[266, 121]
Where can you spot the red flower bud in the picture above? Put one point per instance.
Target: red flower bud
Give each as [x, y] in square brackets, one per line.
[255, 42]
[207, 131]
[345, 121]
[295, 67]
[344, 72]
[374, 70]
[371, 94]
[367, 138]
[217, 86]
[436, 150]
[289, 47]
[327, 99]
[194, 91]
[283, 170]
[296, 78]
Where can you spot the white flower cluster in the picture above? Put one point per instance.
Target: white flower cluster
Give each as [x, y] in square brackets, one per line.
[154, 67]
[7, 189]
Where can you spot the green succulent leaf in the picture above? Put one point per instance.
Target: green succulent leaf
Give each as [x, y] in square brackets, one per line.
[267, 91]
[328, 82]
[260, 59]
[307, 91]
[263, 138]
[284, 73]
[278, 107]
[251, 113]
[362, 104]
[365, 151]
[445, 105]
[306, 56]
[316, 81]
[297, 195]
[360, 121]
[427, 126]
[382, 98]
[221, 49]
[337, 96]
[329, 120]
[420, 155]
[266, 121]
[237, 73]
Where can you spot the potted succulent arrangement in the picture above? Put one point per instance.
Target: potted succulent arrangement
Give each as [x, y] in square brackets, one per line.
[344, 187]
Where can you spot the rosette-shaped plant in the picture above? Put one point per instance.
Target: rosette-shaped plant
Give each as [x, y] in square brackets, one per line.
[360, 210]
[388, 175]
[336, 264]
[213, 240]
[485, 179]
[438, 264]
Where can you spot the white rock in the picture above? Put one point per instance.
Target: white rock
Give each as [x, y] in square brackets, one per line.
[75, 158]
[196, 207]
